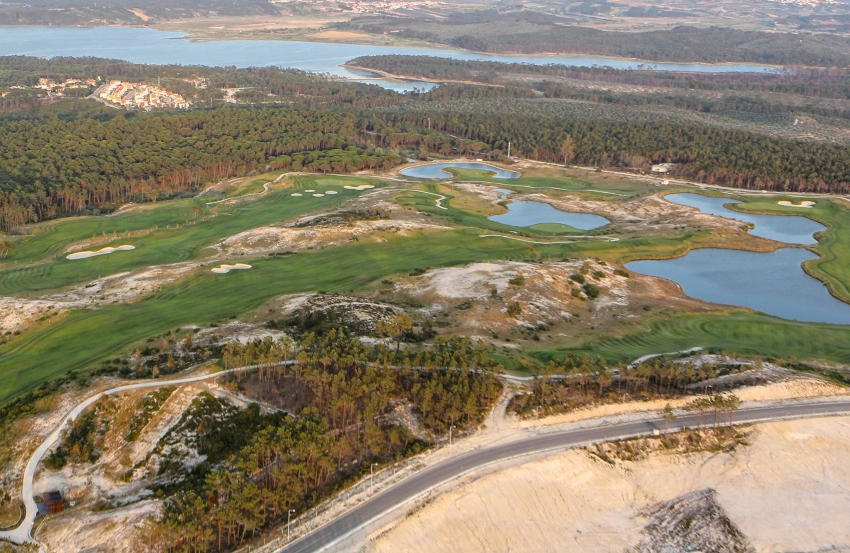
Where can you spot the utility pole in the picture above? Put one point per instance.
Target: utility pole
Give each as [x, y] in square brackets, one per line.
[429, 123]
[452, 427]
[288, 519]
[372, 477]
[509, 150]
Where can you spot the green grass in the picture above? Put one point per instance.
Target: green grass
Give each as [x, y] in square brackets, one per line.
[563, 181]
[732, 332]
[38, 264]
[83, 338]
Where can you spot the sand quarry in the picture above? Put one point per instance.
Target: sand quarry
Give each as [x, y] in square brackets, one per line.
[787, 491]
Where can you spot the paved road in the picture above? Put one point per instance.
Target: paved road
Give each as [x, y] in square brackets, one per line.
[416, 485]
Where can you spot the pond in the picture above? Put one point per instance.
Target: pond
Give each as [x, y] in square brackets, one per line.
[526, 214]
[438, 170]
[790, 229]
[773, 283]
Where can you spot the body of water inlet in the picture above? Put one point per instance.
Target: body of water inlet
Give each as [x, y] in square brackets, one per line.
[791, 229]
[773, 283]
[150, 46]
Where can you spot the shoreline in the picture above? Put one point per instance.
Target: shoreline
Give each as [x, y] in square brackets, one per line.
[198, 38]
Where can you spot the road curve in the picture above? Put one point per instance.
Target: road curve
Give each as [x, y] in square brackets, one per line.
[23, 533]
[431, 477]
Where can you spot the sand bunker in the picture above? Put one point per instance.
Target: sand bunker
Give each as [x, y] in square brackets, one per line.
[311, 190]
[318, 195]
[297, 195]
[104, 251]
[224, 269]
[332, 192]
[360, 187]
[805, 204]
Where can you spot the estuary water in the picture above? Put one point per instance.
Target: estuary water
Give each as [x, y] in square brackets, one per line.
[526, 214]
[791, 229]
[150, 46]
[773, 283]
[438, 170]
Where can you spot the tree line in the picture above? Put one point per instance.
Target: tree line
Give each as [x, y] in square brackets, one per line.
[344, 396]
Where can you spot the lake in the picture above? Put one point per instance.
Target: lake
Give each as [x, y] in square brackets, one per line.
[526, 214]
[141, 45]
[438, 170]
[773, 283]
[790, 229]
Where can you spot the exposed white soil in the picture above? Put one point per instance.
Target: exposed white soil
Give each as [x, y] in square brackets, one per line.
[358, 315]
[18, 314]
[235, 331]
[787, 491]
[103, 251]
[265, 240]
[224, 268]
[543, 292]
[807, 204]
[116, 530]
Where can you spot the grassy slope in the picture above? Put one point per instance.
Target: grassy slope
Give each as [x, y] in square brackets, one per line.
[83, 338]
[738, 332]
[38, 264]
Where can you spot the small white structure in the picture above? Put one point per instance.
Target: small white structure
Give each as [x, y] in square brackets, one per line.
[661, 168]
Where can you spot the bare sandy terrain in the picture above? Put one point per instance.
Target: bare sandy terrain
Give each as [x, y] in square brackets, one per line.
[18, 314]
[114, 530]
[786, 492]
[265, 240]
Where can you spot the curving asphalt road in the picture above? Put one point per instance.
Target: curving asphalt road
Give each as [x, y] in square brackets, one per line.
[431, 477]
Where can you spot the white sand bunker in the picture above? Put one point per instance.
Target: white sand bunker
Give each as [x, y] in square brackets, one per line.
[360, 187]
[311, 190]
[318, 195]
[297, 195]
[805, 204]
[104, 251]
[224, 269]
[331, 192]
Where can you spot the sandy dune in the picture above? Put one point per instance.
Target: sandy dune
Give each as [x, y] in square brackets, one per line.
[225, 268]
[786, 492]
[103, 251]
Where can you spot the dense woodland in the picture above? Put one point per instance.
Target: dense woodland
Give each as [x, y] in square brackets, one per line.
[344, 397]
[576, 382]
[529, 32]
[822, 83]
[76, 156]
